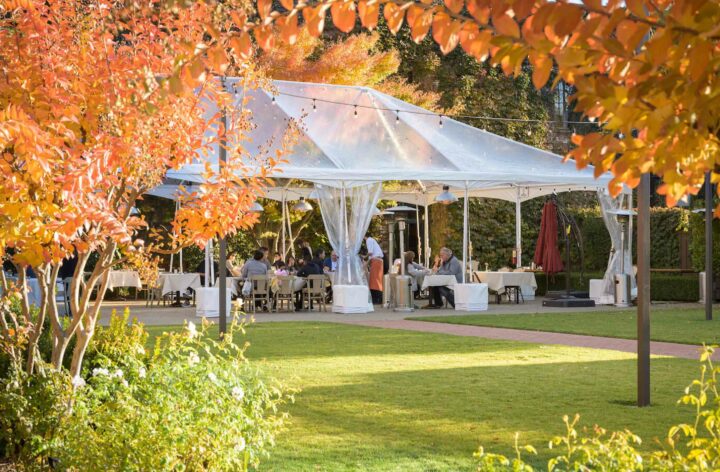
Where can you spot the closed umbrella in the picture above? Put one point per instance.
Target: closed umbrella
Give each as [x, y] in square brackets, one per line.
[546, 252]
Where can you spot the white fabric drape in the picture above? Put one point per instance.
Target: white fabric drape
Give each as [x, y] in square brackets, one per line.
[346, 212]
[607, 205]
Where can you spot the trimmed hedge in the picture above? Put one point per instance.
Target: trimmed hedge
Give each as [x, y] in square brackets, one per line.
[697, 242]
[663, 287]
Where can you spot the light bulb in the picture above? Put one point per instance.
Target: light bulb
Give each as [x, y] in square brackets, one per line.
[397, 117]
[356, 115]
[314, 105]
[273, 101]
[441, 123]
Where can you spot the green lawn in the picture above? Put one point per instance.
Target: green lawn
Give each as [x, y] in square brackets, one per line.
[672, 325]
[388, 400]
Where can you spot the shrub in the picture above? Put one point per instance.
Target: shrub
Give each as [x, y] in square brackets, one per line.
[688, 447]
[192, 403]
[697, 242]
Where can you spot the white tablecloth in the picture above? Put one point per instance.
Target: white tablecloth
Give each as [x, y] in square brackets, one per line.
[471, 297]
[178, 282]
[438, 281]
[497, 281]
[123, 278]
[232, 283]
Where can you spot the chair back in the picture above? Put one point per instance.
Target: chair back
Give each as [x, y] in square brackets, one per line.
[260, 284]
[285, 285]
[316, 284]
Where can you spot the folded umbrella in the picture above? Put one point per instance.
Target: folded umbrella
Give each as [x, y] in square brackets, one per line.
[546, 251]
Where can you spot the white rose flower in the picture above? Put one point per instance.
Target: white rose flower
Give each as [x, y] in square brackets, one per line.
[192, 331]
[212, 377]
[193, 358]
[118, 373]
[100, 371]
[238, 393]
[240, 446]
[78, 381]
[142, 373]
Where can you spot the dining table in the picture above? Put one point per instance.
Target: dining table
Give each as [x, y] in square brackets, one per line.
[439, 280]
[497, 281]
[176, 282]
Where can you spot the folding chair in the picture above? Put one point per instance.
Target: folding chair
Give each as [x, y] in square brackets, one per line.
[259, 293]
[315, 291]
[284, 292]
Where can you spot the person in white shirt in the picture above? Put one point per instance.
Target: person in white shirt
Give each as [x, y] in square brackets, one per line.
[375, 262]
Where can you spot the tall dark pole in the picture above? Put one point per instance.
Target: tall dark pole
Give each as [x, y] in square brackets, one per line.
[643, 287]
[708, 246]
[222, 263]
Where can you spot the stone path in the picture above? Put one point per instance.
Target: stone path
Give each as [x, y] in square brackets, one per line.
[542, 337]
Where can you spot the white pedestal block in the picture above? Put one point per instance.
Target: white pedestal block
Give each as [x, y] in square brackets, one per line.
[471, 297]
[351, 299]
[208, 302]
[597, 293]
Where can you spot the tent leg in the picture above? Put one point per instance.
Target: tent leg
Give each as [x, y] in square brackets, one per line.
[518, 231]
[284, 249]
[427, 236]
[417, 227]
[465, 232]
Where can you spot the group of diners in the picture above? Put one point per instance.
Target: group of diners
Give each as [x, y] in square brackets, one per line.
[444, 264]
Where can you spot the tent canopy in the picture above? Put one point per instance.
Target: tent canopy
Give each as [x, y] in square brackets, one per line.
[352, 135]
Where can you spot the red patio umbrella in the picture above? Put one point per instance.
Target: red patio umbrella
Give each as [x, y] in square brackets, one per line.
[546, 252]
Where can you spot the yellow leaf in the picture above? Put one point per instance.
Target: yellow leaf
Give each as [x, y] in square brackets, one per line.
[542, 66]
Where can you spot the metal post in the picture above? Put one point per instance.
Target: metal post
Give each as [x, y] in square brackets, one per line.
[708, 246]
[284, 237]
[643, 283]
[427, 236]
[417, 227]
[518, 232]
[465, 232]
[222, 263]
[208, 259]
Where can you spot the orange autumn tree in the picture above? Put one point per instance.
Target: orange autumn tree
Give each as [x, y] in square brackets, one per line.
[646, 70]
[98, 101]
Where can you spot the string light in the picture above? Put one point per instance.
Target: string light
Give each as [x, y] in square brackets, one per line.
[397, 117]
[429, 113]
[314, 105]
[273, 101]
[441, 124]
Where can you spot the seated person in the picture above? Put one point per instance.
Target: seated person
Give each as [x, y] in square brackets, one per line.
[291, 265]
[311, 267]
[281, 268]
[232, 265]
[277, 261]
[255, 266]
[330, 264]
[446, 265]
[416, 271]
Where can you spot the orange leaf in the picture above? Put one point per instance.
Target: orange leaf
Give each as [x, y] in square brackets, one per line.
[343, 15]
[506, 25]
[394, 17]
[522, 8]
[480, 10]
[475, 42]
[265, 37]
[419, 20]
[288, 28]
[218, 58]
[637, 7]
[542, 66]
[454, 5]
[264, 8]
[445, 32]
[315, 19]
[699, 59]
[288, 4]
[238, 18]
[242, 46]
[566, 18]
[368, 14]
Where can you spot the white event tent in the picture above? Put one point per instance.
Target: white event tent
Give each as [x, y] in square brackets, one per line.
[355, 138]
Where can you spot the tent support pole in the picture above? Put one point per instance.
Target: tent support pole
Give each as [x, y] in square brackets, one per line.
[417, 227]
[207, 262]
[290, 234]
[518, 230]
[465, 232]
[427, 236]
[284, 251]
[179, 205]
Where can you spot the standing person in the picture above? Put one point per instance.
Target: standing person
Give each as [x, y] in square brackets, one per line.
[306, 251]
[375, 262]
[447, 265]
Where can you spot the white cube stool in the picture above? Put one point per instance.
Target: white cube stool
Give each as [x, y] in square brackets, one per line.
[351, 299]
[471, 297]
[207, 301]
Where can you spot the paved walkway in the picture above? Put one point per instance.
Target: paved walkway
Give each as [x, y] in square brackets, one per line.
[541, 337]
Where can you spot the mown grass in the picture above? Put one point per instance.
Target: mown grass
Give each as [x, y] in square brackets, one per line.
[687, 326]
[387, 400]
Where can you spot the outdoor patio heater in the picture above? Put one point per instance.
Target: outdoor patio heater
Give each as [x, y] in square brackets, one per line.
[623, 283]
[402, 283]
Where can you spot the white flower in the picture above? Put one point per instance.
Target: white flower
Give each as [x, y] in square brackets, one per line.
[100, 371]
[118, 373]
[238, 393]
[125, 383]
[192, 331]
[240, 446]
[142, 373]
[212, 377]
[78, 382]
[193, 358]
[141, 350]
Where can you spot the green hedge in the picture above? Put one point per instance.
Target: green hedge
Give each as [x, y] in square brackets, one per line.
[663, 287]
[697, 242]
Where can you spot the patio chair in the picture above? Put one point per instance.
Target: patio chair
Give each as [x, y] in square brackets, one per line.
[285, 293]
[259, 293]
[315, 291]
